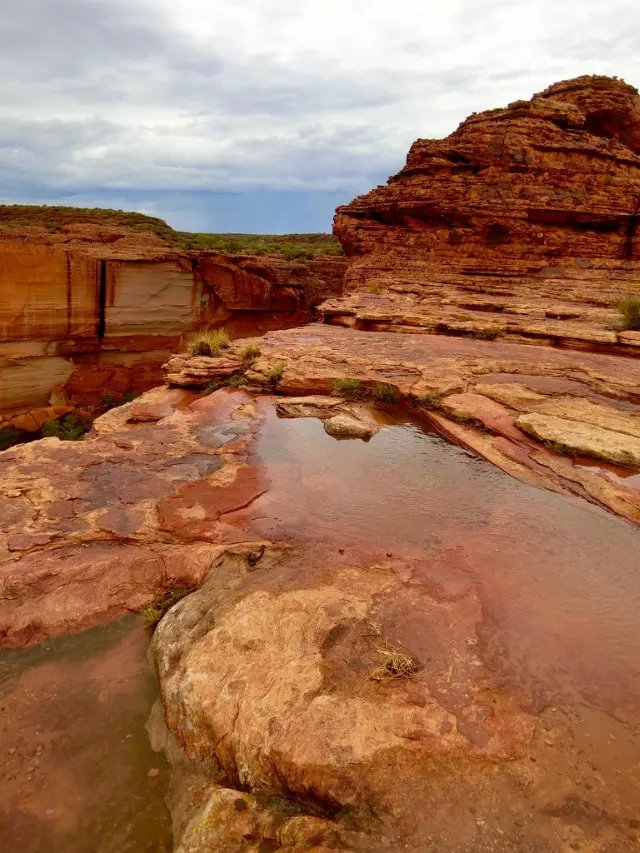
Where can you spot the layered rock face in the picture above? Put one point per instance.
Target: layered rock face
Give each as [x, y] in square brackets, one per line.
[523, 221]
[98, 312]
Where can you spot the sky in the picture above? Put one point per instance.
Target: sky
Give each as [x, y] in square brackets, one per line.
[263, 115]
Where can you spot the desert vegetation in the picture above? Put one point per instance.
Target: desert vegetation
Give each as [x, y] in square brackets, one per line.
[291, 247]
[208, 342]
[153, 613]
[629, 308]
[55, 219]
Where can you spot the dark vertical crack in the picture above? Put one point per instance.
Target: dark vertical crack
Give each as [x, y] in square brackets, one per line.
[630, 231]
[102, 301]
[69, 292]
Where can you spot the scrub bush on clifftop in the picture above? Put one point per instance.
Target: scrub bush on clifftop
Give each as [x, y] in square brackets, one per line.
[208, 342]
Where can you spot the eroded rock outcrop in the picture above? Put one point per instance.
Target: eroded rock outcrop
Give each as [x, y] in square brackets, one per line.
[93, 312]
[523, 222]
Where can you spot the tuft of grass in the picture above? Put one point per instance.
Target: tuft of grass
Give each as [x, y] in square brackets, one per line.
[237, 380]
[395, 662]
[154, 612]
[68, 428]
[350, 389]
[274, 374]
[429, 401]
[629, 308]
[211, 387]
[384, 393]
[250, 352]
[208, 342]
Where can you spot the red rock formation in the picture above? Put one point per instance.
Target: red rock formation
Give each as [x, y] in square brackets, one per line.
[95, 310]
[534, 206]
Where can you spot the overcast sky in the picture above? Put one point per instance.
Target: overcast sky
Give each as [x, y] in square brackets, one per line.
[263, 115]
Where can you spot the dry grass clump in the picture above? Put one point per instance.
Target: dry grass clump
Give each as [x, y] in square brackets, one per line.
[629, 309]
[208, 342]
[429, 401]
[250, 352]
[349, 389]
[273, 375]
[395, 662]
[384, 393]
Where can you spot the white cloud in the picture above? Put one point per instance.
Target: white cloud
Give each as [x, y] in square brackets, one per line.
[273, 94]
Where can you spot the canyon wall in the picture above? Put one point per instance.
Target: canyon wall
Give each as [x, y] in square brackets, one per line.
[529, 212]
[90, 319]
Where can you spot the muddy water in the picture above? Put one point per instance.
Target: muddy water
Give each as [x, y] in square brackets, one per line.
[559, 580]
[77, 771]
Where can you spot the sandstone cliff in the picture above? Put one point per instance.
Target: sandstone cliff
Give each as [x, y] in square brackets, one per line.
[523, 222]
[91, 310]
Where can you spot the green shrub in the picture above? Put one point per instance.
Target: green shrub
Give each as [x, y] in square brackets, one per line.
[291, 252]
[250, 352]
[384, 393]
[350, 389]
[108, 401]
[10, 436]
[629, 309]
[274, 374]
[69, 428]
[154, 612]
[208, 342]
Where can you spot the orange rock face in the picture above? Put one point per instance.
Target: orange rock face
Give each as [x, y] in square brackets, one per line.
[97, 311]
[523, 220]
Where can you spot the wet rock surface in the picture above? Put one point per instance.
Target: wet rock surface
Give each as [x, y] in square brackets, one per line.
[486, 395]
[276, 686]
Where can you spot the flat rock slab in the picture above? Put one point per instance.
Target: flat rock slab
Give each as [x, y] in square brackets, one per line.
[583, 438]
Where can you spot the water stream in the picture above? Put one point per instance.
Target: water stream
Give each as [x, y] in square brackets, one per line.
[77, 771]
[559, 579]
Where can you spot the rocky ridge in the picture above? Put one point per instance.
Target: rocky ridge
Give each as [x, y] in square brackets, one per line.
[521, 224]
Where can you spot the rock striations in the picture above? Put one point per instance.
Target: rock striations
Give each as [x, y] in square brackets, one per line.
[90, 311]
[524, 221]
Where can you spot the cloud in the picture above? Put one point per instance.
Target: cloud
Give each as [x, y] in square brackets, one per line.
[153, 99]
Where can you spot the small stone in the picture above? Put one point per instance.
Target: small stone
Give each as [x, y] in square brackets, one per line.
[153, 773]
